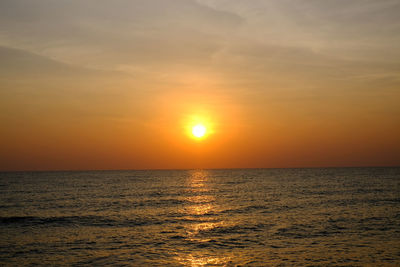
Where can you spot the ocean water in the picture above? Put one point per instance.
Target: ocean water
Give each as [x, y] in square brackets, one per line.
[240, 217]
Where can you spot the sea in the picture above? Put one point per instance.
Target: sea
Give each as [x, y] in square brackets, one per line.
[225, 217]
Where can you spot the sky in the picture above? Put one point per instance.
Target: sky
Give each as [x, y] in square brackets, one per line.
[100, 84]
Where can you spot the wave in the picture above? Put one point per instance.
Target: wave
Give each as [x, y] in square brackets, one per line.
[69, 221]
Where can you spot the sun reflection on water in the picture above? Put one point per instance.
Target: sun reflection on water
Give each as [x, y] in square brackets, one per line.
[199, 188]
[201, 207]
[196, 260]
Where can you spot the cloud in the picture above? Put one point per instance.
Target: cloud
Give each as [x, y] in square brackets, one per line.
[257, 45]
[154, 36]
[352, 29]
[23, 63]
[107, 33]
[35, 88]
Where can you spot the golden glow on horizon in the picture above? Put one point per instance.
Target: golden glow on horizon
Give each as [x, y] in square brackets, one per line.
[199, 130]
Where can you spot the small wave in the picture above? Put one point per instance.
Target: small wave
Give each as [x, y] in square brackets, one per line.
[237, 229]
[63, 221]
[248, 209]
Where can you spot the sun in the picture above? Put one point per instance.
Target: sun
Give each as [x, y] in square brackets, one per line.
[198, 127]
[199, 130]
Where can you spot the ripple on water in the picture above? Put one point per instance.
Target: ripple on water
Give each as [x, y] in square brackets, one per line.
[202, 218]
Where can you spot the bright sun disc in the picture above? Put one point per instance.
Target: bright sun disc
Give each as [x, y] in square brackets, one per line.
[199, 130]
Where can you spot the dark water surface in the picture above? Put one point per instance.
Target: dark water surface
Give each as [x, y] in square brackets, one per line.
[251, 217]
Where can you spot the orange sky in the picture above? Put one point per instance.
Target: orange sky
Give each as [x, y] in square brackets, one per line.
[101, 85]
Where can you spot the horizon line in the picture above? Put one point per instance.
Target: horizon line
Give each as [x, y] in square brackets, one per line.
[189, 169]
